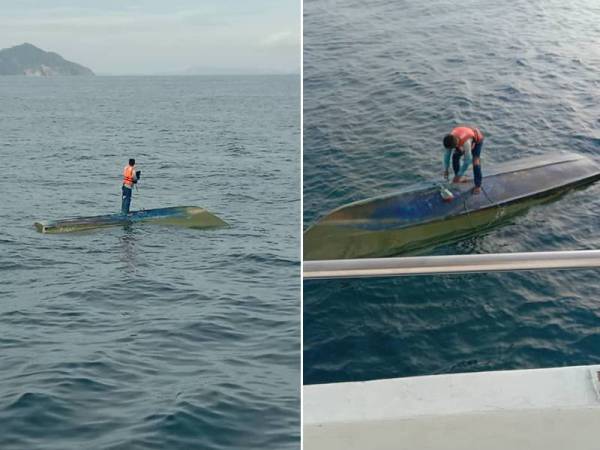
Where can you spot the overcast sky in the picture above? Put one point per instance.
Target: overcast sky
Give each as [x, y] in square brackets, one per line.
[160, 36]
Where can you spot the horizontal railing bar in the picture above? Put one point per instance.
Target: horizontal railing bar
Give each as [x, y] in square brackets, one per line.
[450, 264]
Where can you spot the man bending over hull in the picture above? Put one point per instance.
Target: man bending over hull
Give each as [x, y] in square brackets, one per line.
[464, 142]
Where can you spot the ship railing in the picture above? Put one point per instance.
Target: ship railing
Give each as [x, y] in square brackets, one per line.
[450, 264]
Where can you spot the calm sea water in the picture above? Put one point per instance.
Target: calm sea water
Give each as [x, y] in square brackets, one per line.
[384, 81]
[150, 336]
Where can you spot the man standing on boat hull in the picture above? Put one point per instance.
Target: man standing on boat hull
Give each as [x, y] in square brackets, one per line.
[467, 142]
[130, 177]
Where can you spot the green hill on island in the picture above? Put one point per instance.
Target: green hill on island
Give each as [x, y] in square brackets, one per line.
[27, 59]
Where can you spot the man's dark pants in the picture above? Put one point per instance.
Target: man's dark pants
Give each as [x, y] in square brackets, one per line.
[126, 200]
[476, 168]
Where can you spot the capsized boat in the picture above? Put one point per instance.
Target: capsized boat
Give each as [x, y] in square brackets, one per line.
[425, 215]
[185, 216]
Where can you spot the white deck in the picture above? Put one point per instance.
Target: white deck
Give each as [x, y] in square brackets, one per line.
[522, 409]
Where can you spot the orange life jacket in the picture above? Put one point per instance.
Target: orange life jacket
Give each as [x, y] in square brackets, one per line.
[465, 133]
[128, 175]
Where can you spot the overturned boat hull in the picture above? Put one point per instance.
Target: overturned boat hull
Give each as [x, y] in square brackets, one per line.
[419, 217]
[185, 216]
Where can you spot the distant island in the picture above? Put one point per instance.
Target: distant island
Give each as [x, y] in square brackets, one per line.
[27, 59]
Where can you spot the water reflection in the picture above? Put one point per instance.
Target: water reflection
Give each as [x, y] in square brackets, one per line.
[128, 243]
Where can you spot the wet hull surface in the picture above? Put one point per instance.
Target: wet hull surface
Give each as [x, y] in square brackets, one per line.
[419, 217]
[185, 216]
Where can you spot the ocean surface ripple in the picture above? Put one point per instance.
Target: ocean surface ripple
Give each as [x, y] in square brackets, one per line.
[150, 337]
[384, 81]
